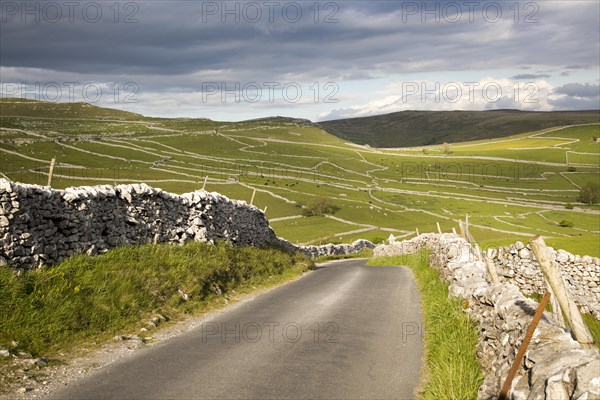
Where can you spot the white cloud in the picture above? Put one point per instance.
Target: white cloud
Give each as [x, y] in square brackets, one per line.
[484, 94]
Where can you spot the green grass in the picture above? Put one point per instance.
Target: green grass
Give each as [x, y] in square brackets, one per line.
[594, 326]
[588, 244]
[305, 229]
[452, 369]
[51, 310]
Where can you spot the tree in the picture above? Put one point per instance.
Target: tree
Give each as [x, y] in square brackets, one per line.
[320, 206]
[446, 148]
[565, 223]
[590, 193]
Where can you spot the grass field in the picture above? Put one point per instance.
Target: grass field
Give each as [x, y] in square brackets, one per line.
[512, 187]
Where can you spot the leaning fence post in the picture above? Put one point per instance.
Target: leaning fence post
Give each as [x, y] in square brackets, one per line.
[439, 229]
[252, 199]
[517, 361]
[555, 280]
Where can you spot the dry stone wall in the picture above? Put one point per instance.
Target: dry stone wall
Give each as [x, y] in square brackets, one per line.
[41, 226]
[555, 366]
[516, 264]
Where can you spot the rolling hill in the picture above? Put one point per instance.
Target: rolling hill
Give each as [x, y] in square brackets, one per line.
[423, 128]
[512, 187]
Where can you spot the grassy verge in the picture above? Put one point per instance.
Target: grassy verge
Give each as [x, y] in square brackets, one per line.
[594, 325]
[452, 370]
[52, 310]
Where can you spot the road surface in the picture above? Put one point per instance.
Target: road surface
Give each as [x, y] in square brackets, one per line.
[344, 331]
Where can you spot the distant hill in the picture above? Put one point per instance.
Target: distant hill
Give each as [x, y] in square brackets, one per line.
[422, 128]
[33, 108]
[282, 120]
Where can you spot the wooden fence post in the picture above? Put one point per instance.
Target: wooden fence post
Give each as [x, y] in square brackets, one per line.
[417, 231]
[51, 172]
[519, 357]
[557, 314]
[252, 199]
[205, 180]
[491, 269]
[461, 228]
[556, 282]
[439, 229]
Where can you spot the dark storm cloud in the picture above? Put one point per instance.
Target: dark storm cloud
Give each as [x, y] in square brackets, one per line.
[575, 103]
[369, 39]
[576, 96]
[579, 90]
[529, 76]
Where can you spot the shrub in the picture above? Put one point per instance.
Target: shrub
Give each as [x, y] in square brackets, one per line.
[569, 206]
[320, 206]
[565, 223]
[571, 169]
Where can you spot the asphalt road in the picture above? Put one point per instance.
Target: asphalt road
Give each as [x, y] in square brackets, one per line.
[344, 331]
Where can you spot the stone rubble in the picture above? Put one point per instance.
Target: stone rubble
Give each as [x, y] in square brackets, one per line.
[555, 365]
[41, 226]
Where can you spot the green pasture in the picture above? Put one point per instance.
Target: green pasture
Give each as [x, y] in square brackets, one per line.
[511, 187]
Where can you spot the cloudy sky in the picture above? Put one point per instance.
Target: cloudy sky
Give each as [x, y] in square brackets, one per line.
[316, 60]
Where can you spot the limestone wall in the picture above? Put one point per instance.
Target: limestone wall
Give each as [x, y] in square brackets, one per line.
[40, 226]
[516, 264]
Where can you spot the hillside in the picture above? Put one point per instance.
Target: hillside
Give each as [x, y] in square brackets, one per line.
[42, 109]
[423, 128]
[512, 187]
